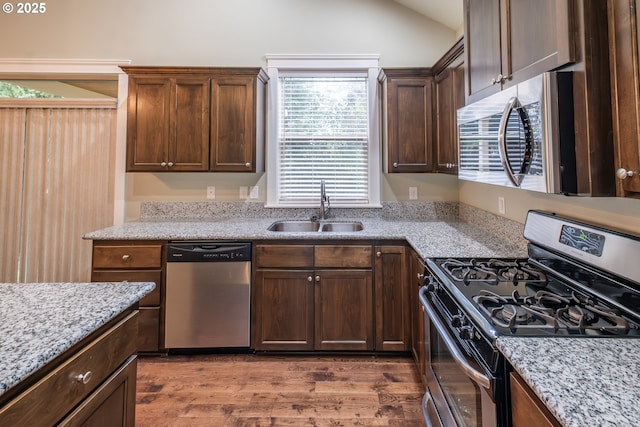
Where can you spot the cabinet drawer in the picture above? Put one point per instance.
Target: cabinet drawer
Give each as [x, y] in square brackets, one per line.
[343, 256]
[139, 256]
[287, 256]
[151, 299]
[51, 398]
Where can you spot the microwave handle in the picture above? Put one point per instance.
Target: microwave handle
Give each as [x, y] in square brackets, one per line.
[512, 104]
[462, 362]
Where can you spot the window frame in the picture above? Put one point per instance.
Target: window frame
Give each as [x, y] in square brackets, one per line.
[340, 64]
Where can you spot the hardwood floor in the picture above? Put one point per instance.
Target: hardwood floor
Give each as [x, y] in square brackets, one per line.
[276, 390]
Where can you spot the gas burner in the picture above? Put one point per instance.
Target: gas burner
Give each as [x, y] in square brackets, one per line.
[492, 271]
[573, 313]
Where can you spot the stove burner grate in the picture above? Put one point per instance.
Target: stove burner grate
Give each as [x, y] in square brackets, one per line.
[492, 271]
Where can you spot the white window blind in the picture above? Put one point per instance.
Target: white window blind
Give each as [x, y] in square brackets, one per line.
[323, 135]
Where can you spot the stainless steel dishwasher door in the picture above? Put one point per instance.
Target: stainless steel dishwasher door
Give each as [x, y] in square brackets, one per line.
[208, 292]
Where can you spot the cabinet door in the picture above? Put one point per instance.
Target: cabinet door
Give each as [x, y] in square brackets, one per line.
[410, 124]
[189, 137]
[526, 408]
[537, 37]
[232, 132]
[482, 47]
[148, 123]
[283, 310]
[392, 299]
[343, 310]
[624, 18]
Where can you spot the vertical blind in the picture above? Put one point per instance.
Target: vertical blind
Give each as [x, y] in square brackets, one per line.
[56, 178]
[323, 135]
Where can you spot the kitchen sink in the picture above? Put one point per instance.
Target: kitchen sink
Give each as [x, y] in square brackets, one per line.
[341, 227]
[294, 226]
[314, 226]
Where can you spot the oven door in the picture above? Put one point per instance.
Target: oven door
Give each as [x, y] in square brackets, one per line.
[458, 389]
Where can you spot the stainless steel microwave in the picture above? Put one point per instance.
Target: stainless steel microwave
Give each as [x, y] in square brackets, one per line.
[522, 137]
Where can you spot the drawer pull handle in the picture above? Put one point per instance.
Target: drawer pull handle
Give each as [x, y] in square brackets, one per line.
[125, 257]
[84, 378]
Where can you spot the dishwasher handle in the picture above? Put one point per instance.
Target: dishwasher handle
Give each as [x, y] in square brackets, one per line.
[208, 252]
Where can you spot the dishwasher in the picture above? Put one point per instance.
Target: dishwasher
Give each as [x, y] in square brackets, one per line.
[208, 291]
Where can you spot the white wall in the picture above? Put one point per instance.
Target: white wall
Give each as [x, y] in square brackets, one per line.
[223, 32]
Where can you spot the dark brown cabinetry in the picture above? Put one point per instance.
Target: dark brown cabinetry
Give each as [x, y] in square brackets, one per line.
[127, 261]
[407, 108]
[526, 409]
[509, 41]
[624, 19]
[393, 325]
[93, 384]
[195, 119]
[449, 83]
[313, 297]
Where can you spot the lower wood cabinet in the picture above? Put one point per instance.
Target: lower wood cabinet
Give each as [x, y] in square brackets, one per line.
[526, 409]
[393, 331]
[136, 261]
[325, 297]
[93, 385]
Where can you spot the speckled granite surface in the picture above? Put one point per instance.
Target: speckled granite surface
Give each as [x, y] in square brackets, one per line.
[39, 321]
[433, 229]
[583, 381]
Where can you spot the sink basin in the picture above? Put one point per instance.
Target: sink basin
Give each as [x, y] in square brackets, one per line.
[294, 226]
[314, 226]
[342, 227]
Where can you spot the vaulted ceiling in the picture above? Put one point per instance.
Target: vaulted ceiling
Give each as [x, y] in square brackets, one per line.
[447, 12]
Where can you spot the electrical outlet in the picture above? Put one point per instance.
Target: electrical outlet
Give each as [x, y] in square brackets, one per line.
[501, 205]
[254, 192]
[211, 192]
[413, 193]
[244, 192]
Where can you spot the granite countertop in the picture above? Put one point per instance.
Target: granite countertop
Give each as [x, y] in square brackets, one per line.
[583, 381]
[437, 238]
[39, 321]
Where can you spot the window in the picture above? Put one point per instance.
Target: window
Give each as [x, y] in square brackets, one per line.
[323, 129]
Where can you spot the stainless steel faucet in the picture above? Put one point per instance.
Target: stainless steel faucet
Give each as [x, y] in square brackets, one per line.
[325, 205]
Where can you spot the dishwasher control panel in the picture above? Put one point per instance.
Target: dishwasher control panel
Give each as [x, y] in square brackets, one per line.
[208, 252]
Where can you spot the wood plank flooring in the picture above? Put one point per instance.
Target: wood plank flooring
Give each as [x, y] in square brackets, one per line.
[276, 390]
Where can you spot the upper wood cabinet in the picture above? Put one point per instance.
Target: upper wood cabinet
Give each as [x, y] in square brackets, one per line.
[195, 119]
[449, 83]
[509, 41]
[407, 125]
[624, 18]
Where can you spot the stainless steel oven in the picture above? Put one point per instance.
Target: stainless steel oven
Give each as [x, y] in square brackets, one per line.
[461, 389]
[577, 282]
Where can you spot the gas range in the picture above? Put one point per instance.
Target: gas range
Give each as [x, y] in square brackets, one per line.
[579, 280]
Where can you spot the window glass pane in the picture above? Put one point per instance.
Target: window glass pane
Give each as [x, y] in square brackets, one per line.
[323, 135]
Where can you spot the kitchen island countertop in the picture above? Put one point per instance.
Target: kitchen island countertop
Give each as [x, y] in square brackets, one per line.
[40, 321]
[583, 381]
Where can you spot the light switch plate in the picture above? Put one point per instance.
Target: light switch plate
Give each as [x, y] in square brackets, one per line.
[254, 192]
[244, 192]
[501, 205]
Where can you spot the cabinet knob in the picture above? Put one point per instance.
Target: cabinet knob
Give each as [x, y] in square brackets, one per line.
[395, 165]
[125, 257]
[163, 164]
[248, 165]
[378, 254]
[84, 378]
[420, 276]
[309, 279]
[622, 173]
[317, 278]
[170, 164]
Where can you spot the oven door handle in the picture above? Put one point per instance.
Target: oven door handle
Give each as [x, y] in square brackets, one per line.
[478, 377]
